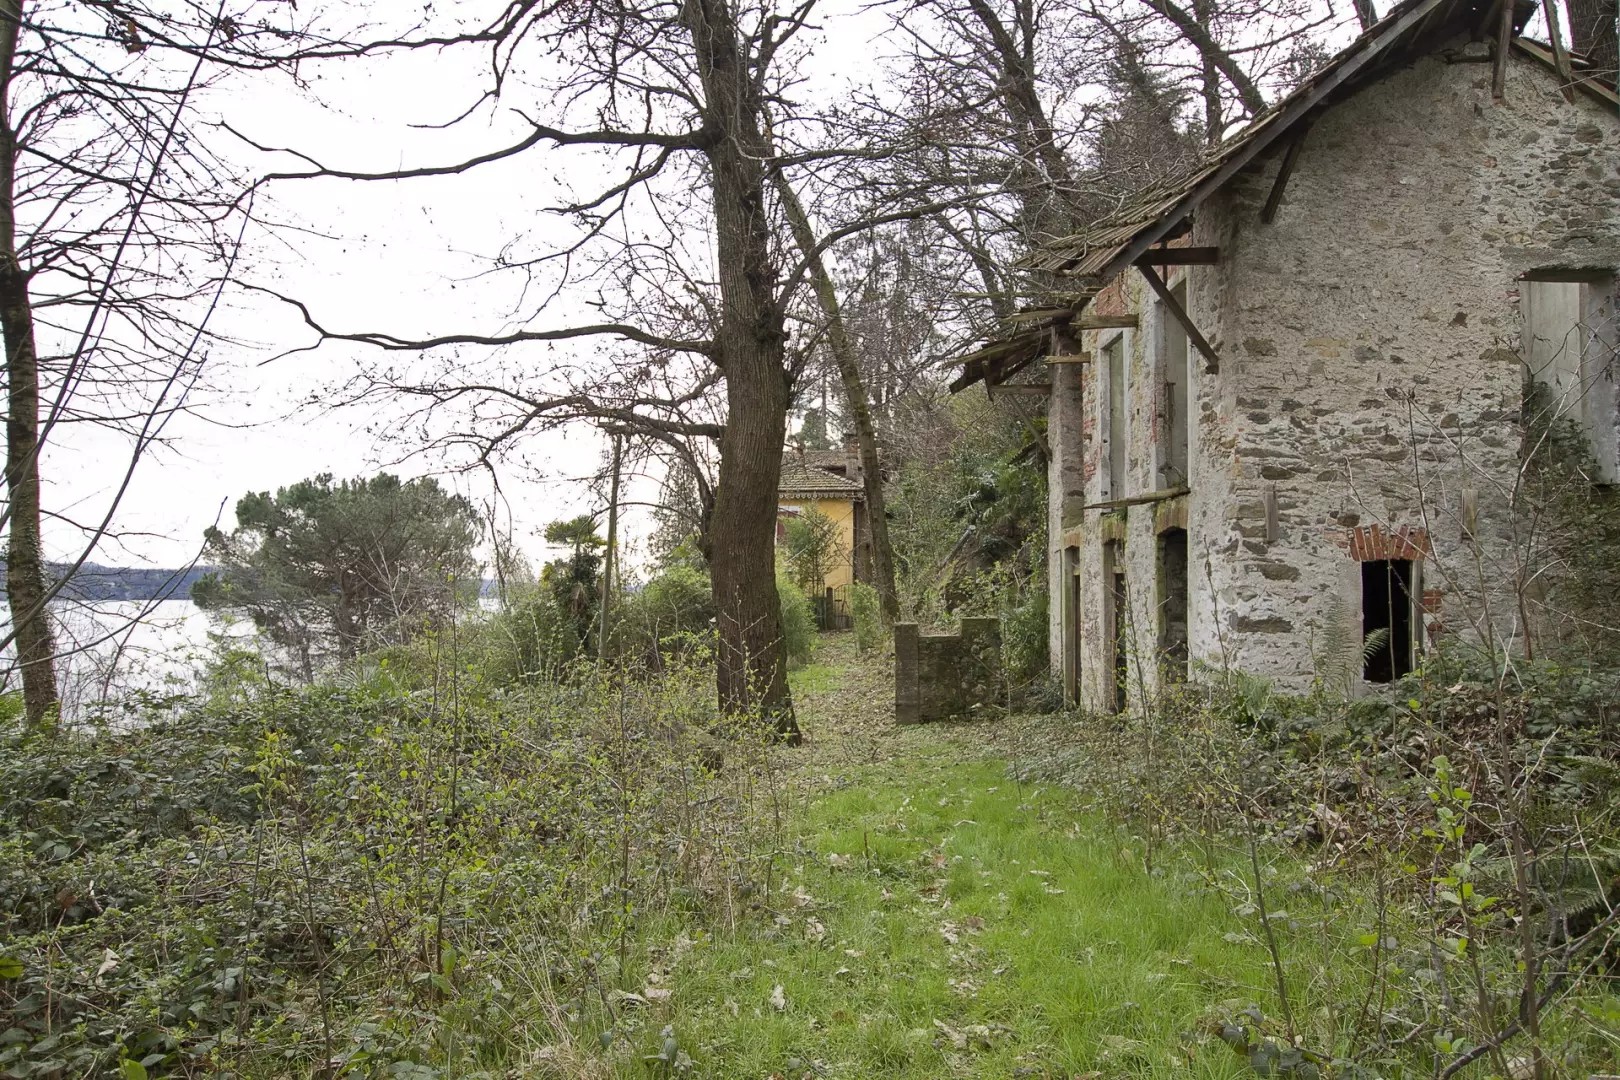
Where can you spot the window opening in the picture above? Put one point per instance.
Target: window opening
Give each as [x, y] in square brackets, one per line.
[1388, 619]
[1175, 387]
[1114, 363]
[1117, 615]
[1071, 623]
[1571, 336]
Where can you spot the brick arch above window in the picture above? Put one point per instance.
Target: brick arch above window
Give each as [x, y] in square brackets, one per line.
[1374, 542]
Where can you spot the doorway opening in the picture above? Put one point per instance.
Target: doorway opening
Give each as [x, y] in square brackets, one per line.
[1117, 623]
[1173, 604]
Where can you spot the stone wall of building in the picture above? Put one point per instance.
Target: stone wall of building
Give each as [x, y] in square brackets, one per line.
[946, 676]
[1371, 376]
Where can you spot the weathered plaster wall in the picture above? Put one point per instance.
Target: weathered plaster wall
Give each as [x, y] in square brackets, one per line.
[1370, 366]
[841, 512]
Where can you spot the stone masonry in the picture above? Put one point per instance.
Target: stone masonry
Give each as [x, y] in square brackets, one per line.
[1367, 403]
[946, 676]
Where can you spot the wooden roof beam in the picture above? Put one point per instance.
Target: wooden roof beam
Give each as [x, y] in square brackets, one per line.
[1212, 363]
[1284, 171]
[1180, 256]
[1104, 322]
[1018, 388]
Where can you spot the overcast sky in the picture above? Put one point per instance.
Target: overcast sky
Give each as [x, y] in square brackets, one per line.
[406, 257]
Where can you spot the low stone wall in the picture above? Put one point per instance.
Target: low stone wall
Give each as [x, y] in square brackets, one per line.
[943, 676]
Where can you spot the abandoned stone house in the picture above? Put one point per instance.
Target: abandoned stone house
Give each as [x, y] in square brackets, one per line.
[1285, 392]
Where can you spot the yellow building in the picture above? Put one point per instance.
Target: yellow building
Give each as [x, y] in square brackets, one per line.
[840, 499]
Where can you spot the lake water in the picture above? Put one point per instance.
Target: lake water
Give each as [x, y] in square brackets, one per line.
[112, 648]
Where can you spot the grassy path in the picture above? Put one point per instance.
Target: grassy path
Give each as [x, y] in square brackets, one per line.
[936, 918]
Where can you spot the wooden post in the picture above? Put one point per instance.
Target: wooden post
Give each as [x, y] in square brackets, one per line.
[1504, 41]
[1284, 171]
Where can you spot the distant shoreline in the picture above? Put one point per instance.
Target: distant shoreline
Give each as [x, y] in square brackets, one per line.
[95, 582]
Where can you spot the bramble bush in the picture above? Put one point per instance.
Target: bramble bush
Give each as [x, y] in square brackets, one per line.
[1460, 824]
[430, 875]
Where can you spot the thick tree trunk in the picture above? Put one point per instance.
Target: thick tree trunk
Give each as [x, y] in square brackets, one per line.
[751, 348]
[25, 566]
[860, 410]
[1592, 31]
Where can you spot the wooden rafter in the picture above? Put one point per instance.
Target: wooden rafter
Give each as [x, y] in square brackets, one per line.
[1284, 171]
[1018, 388]
[1504, 40]
[1071, 358]
[1561, 64]
[1138, 500]
[1212, 363]
[1180, 256]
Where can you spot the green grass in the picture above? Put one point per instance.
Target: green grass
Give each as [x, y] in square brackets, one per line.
[939, 920]
[814, 678]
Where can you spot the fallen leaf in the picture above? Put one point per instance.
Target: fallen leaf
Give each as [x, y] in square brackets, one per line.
[657, 993]
[778, 998]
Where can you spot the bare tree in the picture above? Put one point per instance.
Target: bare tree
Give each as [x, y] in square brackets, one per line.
[683, 248]
[1592, 31]
[117, 232]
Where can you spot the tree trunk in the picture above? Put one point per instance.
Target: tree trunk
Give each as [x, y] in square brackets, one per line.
[25, 567]
[1214, 124]
[860, 410]
[1592, 31]
[751, 348]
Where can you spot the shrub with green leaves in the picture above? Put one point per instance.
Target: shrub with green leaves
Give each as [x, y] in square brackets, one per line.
[672, 616]
[866, 611]
[375, 880]
[798, 622]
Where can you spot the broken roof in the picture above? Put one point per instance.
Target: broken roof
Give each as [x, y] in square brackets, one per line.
[1162, 210]
[801, 481]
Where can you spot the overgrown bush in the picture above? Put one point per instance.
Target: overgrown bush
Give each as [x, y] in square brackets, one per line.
[1458, 823]
[811, 549]
[866, 611]
[969, 527]
[366, 881]
[798, 622]
[671, 617]
[532, 640]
